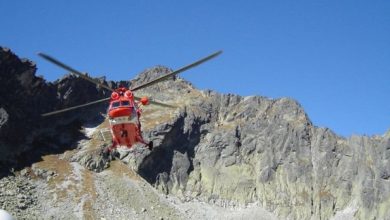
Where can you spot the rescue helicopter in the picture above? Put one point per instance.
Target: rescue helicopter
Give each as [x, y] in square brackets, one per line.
[123, 110]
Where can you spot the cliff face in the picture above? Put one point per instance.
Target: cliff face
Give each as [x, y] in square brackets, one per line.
[224, 149]
[24, 97]
[227, 148]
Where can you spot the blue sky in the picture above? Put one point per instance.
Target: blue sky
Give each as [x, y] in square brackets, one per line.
[333, 57]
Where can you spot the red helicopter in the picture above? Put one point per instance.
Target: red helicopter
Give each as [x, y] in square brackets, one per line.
[123, 111]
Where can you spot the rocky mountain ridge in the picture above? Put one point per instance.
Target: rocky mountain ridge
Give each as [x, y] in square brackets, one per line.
[221, 149]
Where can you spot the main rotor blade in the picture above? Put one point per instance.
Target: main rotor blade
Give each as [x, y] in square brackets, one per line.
[177, 71]
[58, 63]
[156, 103]
[75, 107]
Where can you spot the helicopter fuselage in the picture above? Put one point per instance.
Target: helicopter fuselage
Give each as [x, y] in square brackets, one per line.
[123, 114]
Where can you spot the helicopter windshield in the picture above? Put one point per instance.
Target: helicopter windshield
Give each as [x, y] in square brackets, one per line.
[115, 105]
[125, 103]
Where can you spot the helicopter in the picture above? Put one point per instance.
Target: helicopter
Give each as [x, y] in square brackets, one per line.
[123, 110]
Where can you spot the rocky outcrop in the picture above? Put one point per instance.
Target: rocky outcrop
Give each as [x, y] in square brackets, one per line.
[227, 148]
[24, 134]
[17, 195]
[94, 160]
[21, 94]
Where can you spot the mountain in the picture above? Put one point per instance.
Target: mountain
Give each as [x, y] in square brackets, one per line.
[216, 156]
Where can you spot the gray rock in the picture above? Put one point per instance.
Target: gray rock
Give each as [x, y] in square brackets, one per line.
[18, 197]
[3, 117]
[254, 149]
[92, 159]
[134, 156]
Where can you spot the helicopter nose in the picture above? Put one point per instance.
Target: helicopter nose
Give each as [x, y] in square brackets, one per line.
[119, 112]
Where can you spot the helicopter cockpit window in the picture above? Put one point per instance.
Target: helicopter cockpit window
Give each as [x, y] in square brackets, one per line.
[125, 103]
[115, 105]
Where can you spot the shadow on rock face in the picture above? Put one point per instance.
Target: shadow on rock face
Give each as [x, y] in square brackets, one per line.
[174, 156]
[63, 134]
[25, 136]
[159, 161]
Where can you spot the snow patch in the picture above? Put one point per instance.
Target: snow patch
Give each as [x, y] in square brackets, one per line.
[347, 213]
[74, 178]
[78, 210]
[89, 131]
[77, 171]
[3, 117]
[196, 209]
[246, 98]
[77, 176]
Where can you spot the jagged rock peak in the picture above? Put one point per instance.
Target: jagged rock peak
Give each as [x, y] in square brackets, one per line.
[151, 73]
[8, 56]
[24, 97]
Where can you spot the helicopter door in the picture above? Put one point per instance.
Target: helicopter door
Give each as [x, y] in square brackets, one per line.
[125, 134]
